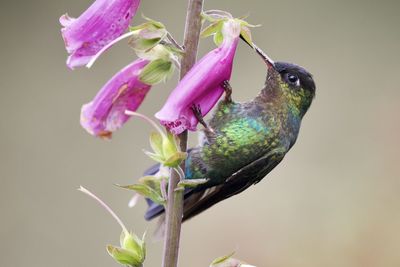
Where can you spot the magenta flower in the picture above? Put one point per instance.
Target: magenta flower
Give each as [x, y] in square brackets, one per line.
[202, 85]
[125, 91]
[101, 23]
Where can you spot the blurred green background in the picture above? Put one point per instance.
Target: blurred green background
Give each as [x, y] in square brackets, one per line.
[334, 200]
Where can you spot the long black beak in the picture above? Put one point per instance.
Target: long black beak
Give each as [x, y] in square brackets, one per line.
[270, 63]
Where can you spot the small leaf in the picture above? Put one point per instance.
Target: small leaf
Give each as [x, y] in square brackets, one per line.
[169, 146]
[221, 259]
[156, 142]
[218, 38]
[155, 23]
[142, 44]
[146, 191]
[156, 71]
[212, 29]
[172, 48]
[140, 27]
[133, 244]
[153, 182]
[192, 183]
[123, 256]
[175, 160]
[158, 158]
[246, 24]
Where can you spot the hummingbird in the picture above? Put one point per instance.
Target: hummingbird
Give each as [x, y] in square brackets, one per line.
[243, 142]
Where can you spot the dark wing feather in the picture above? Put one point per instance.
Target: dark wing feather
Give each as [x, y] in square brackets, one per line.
[239, 181]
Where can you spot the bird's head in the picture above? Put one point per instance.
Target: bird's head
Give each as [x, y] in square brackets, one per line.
[289, 82]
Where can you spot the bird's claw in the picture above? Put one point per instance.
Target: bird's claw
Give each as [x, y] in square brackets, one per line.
[199, 116]
[228, 91]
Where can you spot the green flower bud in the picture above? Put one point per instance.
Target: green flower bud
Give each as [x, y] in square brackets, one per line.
[123, 256]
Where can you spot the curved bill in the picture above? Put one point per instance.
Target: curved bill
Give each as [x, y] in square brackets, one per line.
[270, 63]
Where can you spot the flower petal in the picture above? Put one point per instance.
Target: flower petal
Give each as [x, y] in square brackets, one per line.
[101, 23]
[106, 113]
[202, 85]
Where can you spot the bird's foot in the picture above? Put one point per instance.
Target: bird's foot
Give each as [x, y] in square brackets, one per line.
[199, 116]
[228, 91]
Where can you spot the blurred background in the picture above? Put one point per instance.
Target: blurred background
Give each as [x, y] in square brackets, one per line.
[333, 201]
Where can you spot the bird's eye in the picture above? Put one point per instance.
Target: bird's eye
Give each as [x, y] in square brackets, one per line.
[293, 79]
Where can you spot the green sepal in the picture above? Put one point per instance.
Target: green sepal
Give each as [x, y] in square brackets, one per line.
[219, 261]
[134, 244]
[156, 157]
[146, 39]
[169, 146]
[147, 192]
[246, 35]
[153, 182]
[156, 143]
[155, 23]
[192, 183]
[218, 38]
[175, 160]
[212, 29]
[156, 71]
[150, 23]
[123, 256]
[173, 49]
[246, 24]
[215, 15]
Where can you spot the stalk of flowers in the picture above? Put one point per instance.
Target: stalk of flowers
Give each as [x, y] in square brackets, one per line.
[100, 24]
[202, 86]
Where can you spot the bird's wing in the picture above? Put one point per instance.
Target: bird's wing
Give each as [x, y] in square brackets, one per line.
[236, 183]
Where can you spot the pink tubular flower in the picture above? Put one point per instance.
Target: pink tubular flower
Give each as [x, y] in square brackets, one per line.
[101, 23]
[202, 85]
[106, 113]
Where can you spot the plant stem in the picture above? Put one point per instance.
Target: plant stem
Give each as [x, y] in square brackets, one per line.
[174, 210]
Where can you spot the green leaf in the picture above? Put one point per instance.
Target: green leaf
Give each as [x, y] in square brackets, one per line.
[156, 71]
[218, 38]
[133, 244]
[155, 23]
[212, 29]
[123, 256]
[192, 183]
[153, 182]
[155, 157]
[207, 17]
[173, 49]
[146, 39]
[140, 27]
[175, 160]
[146, 191]
[221, 259]
[246, 24]
[156, 142]
[169, 146]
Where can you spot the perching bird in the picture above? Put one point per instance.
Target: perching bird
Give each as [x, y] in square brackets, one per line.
[243, 142]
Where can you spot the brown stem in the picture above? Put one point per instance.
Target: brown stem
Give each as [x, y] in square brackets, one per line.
[174, 210]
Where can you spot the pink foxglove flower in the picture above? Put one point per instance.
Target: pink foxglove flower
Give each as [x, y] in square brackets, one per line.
[125, 91]
[101, 23]
[202, 85]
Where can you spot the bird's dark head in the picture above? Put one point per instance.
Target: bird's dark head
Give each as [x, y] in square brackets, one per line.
[289, 82]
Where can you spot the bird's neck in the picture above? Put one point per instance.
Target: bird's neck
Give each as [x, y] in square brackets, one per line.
[279, 96]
